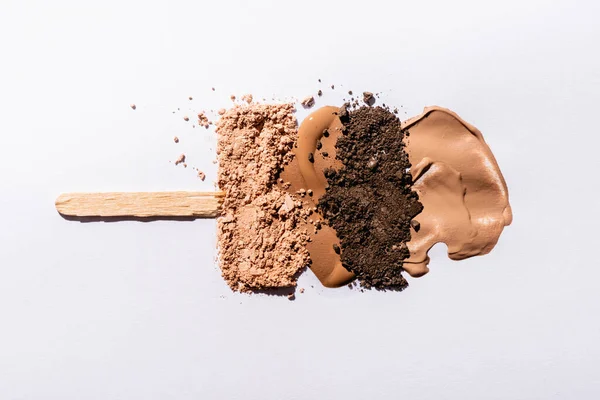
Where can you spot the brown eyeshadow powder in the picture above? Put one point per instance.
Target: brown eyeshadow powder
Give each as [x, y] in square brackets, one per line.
[261, 231]
[369, 201]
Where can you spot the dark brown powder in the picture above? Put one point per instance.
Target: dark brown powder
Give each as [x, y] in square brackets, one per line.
[369, 202]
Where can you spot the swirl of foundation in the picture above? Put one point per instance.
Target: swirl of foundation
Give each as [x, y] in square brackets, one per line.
[460, 185]
[302, 173]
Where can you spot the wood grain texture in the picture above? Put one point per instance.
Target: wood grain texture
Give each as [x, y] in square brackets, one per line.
[140, 204]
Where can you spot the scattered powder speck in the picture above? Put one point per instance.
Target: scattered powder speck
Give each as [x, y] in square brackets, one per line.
[186, 118]
[320, 93]
[260, 238]
[247, 98]
[191, 98]
[180, 159]
[203, 120]
[201, 175]
[308, 102]
[133, 106]
[221, 111]
[301, 290]
[176, 139]
[368, 98]
[232, 97]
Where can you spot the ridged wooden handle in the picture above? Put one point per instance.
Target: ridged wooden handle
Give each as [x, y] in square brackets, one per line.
[140, 204]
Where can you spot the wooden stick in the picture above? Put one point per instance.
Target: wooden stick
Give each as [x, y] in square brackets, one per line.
[140, 204]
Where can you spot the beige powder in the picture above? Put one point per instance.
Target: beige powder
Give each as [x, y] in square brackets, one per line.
[261, 234]
[180, 159]
[203, 120]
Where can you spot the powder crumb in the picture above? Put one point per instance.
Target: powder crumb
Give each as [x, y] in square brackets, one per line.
[213, 89]
[333, 86]
[260, 240]
[201, 175]
[176, 139]
[368, 98]
[232, 97]
[190, 98]
[320, 93]
[301, 290]
[184, 165]
[133, 106]
[247, 98]
[186, 118]
[221, 111]
[291, 296]
[180, 159]
[308, 102]
[203, 120]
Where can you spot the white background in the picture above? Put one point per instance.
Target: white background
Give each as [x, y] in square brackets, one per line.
[133, 310]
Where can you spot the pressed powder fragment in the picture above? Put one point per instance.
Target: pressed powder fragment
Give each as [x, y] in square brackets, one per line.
[260, 234]
[247, 98]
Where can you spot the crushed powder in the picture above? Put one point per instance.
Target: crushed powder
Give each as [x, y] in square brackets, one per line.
[261, 237]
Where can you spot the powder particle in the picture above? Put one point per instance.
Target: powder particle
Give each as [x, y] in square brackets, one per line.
[320, 93]
[368, 98]
[333, 86]
[221, 111]
[369, 201]
[308, 102]
[247, 98]
[301, 290]
[213, 89]
[133, 106]
[180, 159]
[261, 243]
[232, 97]
[176, 139]
[190, 98]
[186, 118]
[203, 120]
[201, 175]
